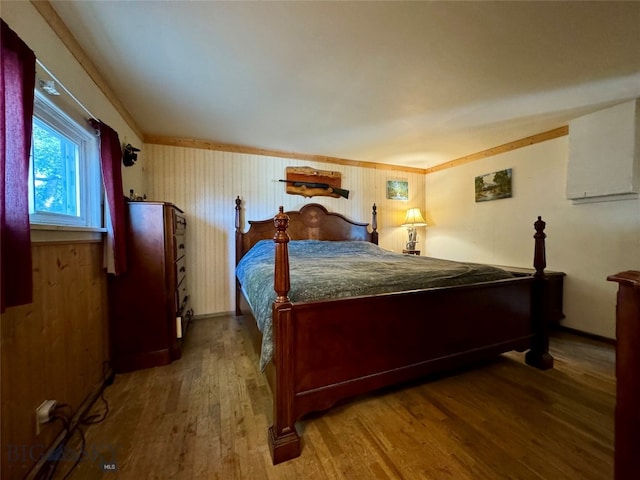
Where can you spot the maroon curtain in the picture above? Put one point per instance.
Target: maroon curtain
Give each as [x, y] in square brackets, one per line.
[110, 161]
[17, 82]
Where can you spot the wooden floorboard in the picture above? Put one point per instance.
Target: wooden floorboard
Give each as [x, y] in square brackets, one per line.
[206, 417]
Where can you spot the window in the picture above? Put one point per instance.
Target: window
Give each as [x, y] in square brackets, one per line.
[64, 173]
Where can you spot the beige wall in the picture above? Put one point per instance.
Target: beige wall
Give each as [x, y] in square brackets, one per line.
[205, 183]
[588, 242]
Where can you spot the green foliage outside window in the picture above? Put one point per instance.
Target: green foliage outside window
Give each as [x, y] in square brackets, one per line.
[55, 171]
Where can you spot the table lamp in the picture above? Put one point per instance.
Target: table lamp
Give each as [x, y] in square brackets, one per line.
[413, 220]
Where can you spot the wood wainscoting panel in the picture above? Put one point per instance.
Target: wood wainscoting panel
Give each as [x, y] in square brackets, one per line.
[52, 349]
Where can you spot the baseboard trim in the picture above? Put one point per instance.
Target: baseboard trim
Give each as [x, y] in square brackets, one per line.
[591, 336]
[213, 315]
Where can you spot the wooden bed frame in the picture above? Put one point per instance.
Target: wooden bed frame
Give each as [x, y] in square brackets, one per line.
[325, 351]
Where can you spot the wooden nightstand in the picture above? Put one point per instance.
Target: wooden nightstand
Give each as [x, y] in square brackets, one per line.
[553, 292]
[411, 252]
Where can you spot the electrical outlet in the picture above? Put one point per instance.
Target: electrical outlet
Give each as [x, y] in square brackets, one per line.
[44, 413]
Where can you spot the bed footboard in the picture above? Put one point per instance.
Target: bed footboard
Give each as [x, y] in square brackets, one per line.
[326, 351]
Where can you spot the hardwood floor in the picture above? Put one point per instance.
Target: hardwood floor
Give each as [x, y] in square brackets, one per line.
[206, 417]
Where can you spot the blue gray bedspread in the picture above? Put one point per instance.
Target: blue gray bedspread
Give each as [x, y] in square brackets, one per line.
[321, 270]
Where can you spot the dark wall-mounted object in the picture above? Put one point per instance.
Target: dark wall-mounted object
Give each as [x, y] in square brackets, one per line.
[130, 156]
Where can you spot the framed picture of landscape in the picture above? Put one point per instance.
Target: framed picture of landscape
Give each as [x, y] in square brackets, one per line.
[493, 186]
[398, 189]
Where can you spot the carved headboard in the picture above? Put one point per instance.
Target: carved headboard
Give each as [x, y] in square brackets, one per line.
[311, 222]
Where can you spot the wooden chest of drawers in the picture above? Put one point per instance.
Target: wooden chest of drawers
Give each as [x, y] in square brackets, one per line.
[149, 308]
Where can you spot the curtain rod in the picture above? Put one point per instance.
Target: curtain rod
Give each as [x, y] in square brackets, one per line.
[91, 115]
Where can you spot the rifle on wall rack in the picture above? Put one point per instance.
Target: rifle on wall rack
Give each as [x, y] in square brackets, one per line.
[341, 192]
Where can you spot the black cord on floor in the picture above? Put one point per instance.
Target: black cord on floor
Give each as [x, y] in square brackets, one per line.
[83, 444]
[62, 413]
[97, 418]
[106, 381]
[54, 460]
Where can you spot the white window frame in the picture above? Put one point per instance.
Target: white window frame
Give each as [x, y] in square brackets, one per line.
[89, 177]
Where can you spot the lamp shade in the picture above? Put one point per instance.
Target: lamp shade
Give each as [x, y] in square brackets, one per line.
[414, 218]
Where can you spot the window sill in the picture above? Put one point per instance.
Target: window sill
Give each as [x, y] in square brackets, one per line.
[64, 234]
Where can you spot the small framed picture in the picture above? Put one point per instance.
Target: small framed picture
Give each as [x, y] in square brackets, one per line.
[493, 186]
[398, 189]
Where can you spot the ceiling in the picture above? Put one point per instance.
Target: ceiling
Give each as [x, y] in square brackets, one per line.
[406, 83]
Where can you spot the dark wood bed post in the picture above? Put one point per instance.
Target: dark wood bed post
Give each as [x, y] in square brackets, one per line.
[284, 441]
[238, 250]
[374, 224]
[538, 356]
